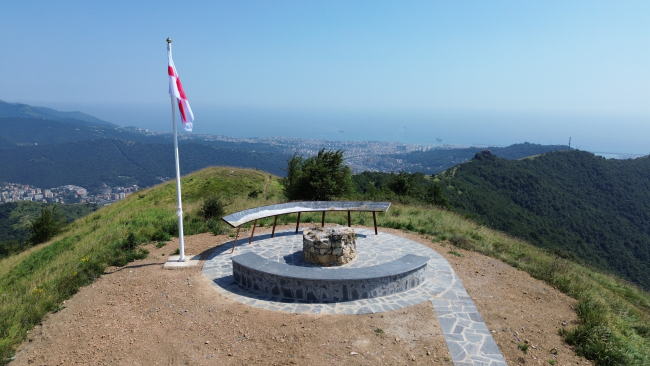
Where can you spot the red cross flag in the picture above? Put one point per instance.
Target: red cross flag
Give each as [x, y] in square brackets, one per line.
[176, 89]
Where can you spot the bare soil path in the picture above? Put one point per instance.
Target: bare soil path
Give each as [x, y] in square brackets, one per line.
[141, 314]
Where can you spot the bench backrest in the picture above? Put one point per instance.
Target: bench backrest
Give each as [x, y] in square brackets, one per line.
[239, 218]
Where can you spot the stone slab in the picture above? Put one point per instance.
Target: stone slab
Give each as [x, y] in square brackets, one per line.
[173, 262]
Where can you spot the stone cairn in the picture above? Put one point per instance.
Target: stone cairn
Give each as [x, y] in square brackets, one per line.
[329, 246]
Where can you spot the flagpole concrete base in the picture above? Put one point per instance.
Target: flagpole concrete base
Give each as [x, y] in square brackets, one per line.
[174, 262]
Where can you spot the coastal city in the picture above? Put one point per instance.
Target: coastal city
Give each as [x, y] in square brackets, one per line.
[360, 156]
[14, 192]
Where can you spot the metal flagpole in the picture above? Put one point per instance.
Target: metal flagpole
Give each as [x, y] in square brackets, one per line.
[179, 210]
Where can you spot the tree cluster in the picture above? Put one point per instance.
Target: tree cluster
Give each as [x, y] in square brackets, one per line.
[322, 177]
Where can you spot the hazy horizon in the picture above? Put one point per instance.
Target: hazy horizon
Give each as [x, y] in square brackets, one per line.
[467, 72]
[495, 129]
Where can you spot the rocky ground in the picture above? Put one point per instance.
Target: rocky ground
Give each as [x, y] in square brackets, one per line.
[141, 314]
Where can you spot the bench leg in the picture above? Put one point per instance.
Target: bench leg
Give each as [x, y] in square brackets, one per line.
[349, 221]
[322, 222]
[374, 219]
[235, 243]
[252, 232]
[275, 221]
[298, 223]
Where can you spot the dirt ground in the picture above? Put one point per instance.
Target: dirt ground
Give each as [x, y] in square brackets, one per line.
[141, 314]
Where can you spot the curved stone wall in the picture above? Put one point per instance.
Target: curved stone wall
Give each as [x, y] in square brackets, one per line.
[314, 284]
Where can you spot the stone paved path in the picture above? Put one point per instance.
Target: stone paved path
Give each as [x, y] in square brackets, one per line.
[468, 339]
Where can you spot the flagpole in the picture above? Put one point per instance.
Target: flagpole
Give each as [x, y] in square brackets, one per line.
[179, 210]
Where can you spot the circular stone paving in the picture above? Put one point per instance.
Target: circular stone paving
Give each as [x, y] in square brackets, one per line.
[468, 339]
[286, 248]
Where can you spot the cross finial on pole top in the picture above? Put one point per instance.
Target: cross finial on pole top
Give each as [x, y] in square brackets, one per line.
[169, 40]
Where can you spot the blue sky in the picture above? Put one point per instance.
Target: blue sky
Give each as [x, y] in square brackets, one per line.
[494, 72]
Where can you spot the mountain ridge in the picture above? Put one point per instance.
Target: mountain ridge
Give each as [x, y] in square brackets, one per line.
[91, 163]
[21, 110]
[571, 201]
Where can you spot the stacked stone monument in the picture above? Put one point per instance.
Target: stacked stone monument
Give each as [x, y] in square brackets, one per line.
[329, 246]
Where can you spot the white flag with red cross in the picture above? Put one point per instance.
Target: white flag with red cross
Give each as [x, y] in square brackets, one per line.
[176, 89]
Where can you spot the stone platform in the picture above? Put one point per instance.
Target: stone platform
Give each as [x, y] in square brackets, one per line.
[468, 339]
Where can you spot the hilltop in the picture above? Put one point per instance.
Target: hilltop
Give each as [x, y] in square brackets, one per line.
[611, 322]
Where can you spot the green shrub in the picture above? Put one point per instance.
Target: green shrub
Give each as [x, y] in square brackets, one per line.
[461, 241]
[212, 208]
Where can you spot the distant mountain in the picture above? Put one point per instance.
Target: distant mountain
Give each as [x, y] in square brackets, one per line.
[571, 201]
[437, 160]
[17, 131]
[19, 110]
[90, 163]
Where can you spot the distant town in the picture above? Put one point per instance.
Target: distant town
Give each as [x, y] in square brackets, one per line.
[360, 156]
[14, 192]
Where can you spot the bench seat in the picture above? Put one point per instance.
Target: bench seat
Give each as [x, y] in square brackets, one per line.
[317, 284]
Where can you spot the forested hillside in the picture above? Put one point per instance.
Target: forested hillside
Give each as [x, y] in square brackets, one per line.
[119, 163]
[15, 218]
[30, 131]
[435, 161]
[571, 201]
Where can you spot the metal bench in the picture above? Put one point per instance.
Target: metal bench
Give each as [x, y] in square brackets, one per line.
[237, 219]
[328, 284]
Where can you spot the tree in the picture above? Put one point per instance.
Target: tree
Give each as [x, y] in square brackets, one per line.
[401, 183]
[322, 177]
[294, 172]
[435, 196]
[46, 226]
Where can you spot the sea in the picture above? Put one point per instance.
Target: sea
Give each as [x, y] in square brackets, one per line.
[607, 135]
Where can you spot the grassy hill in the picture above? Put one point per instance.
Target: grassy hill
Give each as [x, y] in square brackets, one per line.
[614, 315]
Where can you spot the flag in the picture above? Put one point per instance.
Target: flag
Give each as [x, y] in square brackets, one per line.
[176, 89]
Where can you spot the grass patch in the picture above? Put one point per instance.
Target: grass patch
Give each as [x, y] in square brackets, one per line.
[523, 347]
